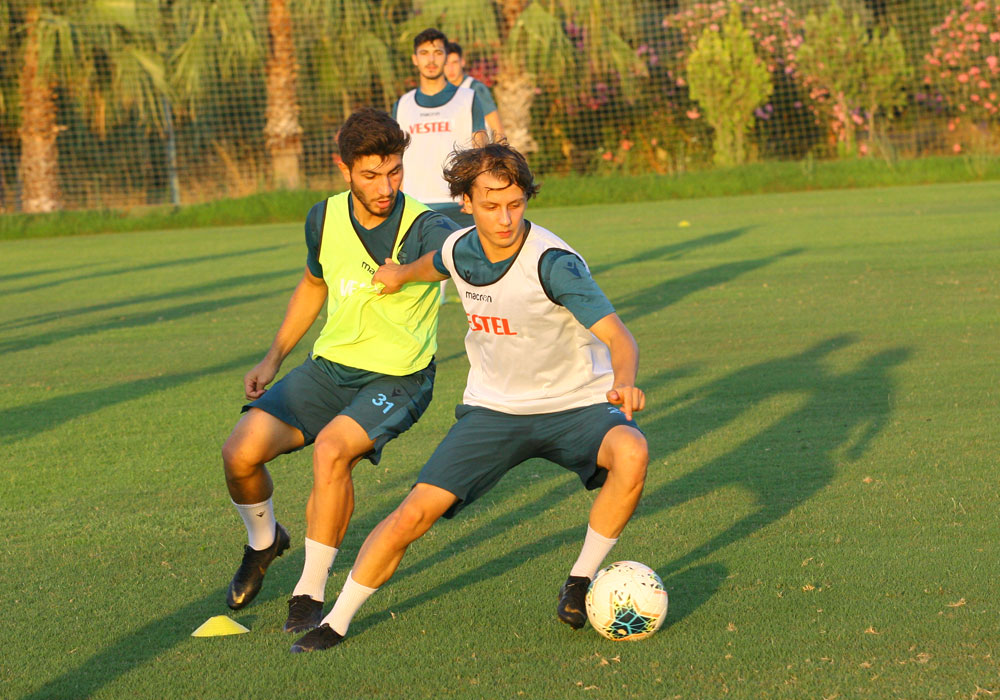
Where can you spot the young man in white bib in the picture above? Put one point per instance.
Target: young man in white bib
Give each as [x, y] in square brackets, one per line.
[369, 377]
[454, 71]
[552, 375]
[439, 117]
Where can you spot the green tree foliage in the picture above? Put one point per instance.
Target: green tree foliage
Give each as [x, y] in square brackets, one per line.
[853, 73]
[561, 48]
[729, 81]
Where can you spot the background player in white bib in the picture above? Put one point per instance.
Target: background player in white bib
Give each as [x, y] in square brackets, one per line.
[439, 117]
[454, 71]
[552, 375]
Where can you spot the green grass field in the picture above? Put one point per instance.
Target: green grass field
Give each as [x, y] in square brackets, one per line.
[821, 504]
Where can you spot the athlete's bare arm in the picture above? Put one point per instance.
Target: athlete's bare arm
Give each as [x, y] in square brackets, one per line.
[392, 276]
[624, 361]
[493, 122]
[303, 308]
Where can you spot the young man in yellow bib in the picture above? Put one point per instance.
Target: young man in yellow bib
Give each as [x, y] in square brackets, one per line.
[369, 377]
[552, 375]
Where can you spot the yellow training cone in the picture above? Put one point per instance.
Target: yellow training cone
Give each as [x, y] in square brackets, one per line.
[219, 626]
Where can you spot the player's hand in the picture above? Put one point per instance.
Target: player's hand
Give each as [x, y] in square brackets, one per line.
[629, 398]
[258, 378]
[388, 278]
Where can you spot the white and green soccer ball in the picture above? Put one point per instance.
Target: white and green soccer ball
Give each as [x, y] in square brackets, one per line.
[626, 601]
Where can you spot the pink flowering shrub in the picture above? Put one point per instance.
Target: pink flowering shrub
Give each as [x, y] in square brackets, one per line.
[963, 65]
[774, 27]
[777, 35]
[853, 72]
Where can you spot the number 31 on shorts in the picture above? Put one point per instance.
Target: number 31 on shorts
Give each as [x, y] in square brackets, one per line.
[383, 400]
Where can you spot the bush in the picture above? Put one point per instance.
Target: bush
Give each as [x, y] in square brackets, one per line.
[852, 74]
[963, 67]
[729, 81]
[785, 126]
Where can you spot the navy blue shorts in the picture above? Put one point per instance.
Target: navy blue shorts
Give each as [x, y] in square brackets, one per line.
[483, 445]
[308, 398]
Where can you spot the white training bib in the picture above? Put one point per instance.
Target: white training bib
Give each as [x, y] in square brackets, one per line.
[527, 354]
[434, 133]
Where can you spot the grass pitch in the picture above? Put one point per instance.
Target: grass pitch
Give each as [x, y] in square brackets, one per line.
[821, 504]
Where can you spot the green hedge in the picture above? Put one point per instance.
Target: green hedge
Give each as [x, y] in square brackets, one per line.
[276, 207]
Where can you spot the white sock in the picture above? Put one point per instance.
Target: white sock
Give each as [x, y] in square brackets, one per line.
[352, 597]
[316, 570]
[259, 519]
[595, 548]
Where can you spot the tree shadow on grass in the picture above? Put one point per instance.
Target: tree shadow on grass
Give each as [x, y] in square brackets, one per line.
[135, 320]
[149, 641]
[28, 420]
[783, 465]
[649, 300]
[674, 251]
[40, 273]
[788, 462]
[192, 291]
[124, 269]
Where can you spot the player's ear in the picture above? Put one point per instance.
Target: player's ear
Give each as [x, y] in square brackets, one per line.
[466, 204]
[413, 58]
[344, 170]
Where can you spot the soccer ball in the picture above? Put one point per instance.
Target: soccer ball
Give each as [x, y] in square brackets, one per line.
[626, 601]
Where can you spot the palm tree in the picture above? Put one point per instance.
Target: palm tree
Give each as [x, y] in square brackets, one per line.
[558, 45]
[101, 56]
[282, 128]
[38, 130]
[347, 53]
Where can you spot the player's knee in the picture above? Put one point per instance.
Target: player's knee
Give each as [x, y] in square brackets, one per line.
[331, 459]
[237, 460]
[630, 458]
[408, 522]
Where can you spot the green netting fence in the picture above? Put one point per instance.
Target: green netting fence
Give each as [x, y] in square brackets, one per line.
[118, 103]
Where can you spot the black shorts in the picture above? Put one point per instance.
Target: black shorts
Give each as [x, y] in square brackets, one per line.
[483, 445]
[308, 398]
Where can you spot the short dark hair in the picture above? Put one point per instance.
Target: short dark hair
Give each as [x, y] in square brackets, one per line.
[370, 132]
[453, 47]
[430, 34]
[498, 159]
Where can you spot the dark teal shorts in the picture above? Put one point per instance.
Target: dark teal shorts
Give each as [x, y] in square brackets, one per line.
[483, 445]
[309, 397]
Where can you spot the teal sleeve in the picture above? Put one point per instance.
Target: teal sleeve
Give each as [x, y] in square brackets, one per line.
[434, 228]
[567, 280]
[478, 114]
[314, 236]
[439, 263]
[394, 106]
[485, 96]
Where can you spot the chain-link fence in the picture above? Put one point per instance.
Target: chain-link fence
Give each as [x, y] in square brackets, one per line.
[110, 104]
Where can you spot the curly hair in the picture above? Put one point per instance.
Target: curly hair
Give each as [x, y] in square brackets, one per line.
[370, 132]
[498, 159]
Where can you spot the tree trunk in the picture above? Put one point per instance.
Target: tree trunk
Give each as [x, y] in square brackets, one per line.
[39, 169]
[515, 93]
[515, 88]
[282, 130]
